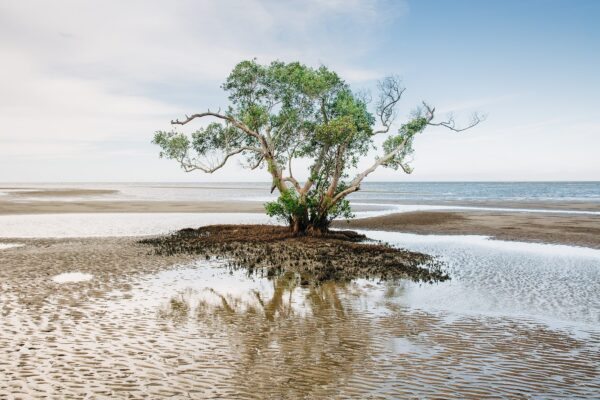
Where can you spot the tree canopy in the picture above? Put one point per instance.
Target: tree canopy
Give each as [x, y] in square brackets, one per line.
[282, 112]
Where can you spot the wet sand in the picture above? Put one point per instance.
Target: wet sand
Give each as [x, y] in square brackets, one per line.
[74, 207]
[548, 205]
[59, 192]
[10, 207]
[572, 229]
[129, 332]
[578, 230]
[115, 336]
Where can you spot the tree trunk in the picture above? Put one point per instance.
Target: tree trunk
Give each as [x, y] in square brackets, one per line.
[301, 226]
[299, 223]
[315, 230]
[296, 227]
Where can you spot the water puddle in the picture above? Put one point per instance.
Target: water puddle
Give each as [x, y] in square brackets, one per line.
[72, 277]
[369, 338]
[9, 245]
[114, 224]
[552, 284]
[516, 320]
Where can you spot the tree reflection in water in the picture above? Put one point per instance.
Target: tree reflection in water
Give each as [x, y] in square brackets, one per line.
[278, 339]
[294, 341]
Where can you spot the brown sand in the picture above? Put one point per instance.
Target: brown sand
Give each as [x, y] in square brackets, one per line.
[579, 230]
[548, 205]
[62, 192]
[60, 207]
[108, 259]
[81, 340]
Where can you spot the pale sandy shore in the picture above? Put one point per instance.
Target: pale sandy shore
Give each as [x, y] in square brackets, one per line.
[546, 227]
[71, 207]
[11, 207]
[32, 192]
[547, 205]
[114, 337]
[578, 230]
[109, 337]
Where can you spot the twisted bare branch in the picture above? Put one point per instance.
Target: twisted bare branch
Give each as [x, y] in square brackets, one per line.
[189, 166]
[450, 122]
[227, 118]
[390, 93]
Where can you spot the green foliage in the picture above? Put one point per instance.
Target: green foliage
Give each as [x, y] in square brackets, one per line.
[284, 111]
[173, 145]
[216, 136]
[402, 143]
[341, 209]
[290, 205]
[286, 206]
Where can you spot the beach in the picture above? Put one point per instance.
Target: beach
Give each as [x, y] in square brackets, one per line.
[565, 222]
[148, 326]
[89, 310]
[576, 230]
[364, 199]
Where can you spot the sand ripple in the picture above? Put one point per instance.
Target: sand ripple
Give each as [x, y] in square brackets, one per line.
[202, 332]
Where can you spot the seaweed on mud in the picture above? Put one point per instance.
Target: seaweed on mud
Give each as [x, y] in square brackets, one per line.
[338, 255]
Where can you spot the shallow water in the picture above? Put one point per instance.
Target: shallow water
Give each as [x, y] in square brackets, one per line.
[9, 245]
[556, 197]
[554, 284]
[370, 339]
[501, 328]
[72, 277]
[114, 224]
[517, 319]
[139, 224]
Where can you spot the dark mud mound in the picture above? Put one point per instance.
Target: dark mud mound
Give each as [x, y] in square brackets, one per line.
[338, 255]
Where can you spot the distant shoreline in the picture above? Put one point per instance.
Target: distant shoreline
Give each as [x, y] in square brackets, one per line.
[532, 220]
[12, 205]
[574, 230]
[127, 206]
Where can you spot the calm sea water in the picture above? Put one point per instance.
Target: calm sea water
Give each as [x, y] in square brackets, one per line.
[514, 191]
[401, 192]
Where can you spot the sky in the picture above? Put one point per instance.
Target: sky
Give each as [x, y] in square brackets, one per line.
[84, 84]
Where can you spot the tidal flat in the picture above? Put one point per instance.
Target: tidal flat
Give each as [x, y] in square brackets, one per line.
[90, 307]
[515, 319]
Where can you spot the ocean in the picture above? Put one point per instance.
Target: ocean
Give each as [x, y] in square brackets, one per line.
[371, 192]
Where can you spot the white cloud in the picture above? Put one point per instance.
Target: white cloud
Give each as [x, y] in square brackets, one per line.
[187, 40]
[77, 73]
[84, 84]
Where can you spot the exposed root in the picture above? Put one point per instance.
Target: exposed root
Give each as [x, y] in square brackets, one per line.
[336, 255]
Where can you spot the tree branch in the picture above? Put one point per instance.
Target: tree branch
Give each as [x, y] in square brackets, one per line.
[338, 169]
[390, 93]
[355, 184]
[258, 162]
[293, 182]
[430, 114]
[227, 118]
[315, 169]
[189, 166]
[265, 150]
[450, 123]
